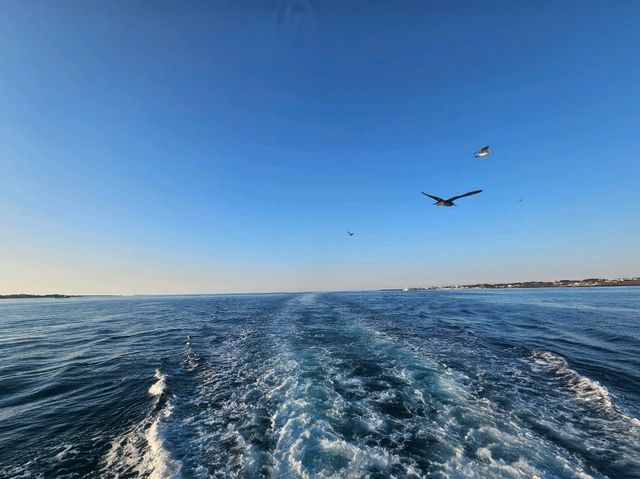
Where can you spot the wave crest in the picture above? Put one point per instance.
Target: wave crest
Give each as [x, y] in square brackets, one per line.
[142, 450]
[587, 390]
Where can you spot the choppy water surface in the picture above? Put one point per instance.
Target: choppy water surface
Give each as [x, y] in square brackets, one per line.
[527, 383]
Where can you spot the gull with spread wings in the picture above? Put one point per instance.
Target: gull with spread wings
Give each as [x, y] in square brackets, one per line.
[450, 201]
[482, 152]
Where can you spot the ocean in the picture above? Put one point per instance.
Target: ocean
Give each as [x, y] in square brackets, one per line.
[475, 383]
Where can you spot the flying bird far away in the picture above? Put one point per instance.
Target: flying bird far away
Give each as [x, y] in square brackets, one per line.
[350, 233]
[450, 201]
[482, 152]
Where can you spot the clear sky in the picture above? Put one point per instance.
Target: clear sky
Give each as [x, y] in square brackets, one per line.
[194, 147]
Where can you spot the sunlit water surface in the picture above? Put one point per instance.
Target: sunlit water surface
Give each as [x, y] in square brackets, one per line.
[519, 383]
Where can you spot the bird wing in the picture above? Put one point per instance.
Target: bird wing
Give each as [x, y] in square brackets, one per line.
[431, 196]
[453, 198]
[482, 151]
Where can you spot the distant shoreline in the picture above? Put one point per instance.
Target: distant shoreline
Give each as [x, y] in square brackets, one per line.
[564, 283]
[27, 296]
[54, 296]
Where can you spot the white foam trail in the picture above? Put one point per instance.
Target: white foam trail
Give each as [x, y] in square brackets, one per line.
[157, 459]
[503, 447]
[66, 450]
[586, 389]
[299, 397]
[142, 450]
[159, 386]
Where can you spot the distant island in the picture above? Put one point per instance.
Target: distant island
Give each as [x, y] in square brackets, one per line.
[21, 296]
[562, 283]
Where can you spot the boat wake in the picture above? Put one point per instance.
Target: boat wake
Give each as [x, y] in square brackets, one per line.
[141, 451]
[319, 388]
[586, 390]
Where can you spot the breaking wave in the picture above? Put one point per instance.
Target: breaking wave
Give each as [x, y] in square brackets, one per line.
[586, 390]
[142, 451]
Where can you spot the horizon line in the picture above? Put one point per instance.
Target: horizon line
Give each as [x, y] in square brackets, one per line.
[356, 290]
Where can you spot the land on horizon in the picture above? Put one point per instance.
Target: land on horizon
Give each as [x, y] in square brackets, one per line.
[57, 296]
[25, 295]
[562, 283]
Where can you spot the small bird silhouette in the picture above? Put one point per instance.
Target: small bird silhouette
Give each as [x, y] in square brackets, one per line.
[482, 152]
[450, 201]
[350, 233]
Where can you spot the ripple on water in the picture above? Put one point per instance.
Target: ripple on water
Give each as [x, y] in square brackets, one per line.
[322, 385]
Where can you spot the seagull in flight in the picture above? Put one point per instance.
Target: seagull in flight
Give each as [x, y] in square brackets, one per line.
[482, 152]
[450, 201]
[350, 233]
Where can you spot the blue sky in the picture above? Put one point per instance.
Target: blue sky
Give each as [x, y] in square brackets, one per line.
[174, 147]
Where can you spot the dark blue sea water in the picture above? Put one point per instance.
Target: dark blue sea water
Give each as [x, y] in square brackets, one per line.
[519, 383]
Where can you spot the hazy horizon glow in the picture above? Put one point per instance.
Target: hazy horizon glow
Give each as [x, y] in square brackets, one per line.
[209, 147]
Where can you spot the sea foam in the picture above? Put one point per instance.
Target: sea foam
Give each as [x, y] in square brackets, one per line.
[142, 450]
[159, 386]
